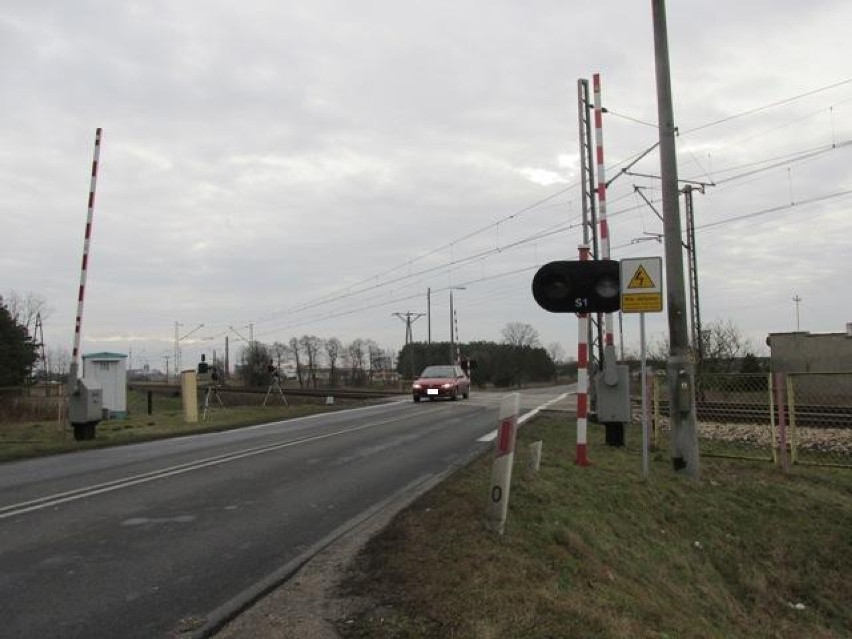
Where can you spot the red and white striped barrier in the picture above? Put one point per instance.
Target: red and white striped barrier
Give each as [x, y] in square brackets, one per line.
[501, 469]
[85, 266]
[582, 378]
[604, 225]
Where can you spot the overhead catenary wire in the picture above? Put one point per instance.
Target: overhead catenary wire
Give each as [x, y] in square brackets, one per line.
[809, 155]
[372, 303]
[376, 281]
[766, 107]
[453, 263]
[773, 209]
[526, 269]
[557, 229]
[407, 264]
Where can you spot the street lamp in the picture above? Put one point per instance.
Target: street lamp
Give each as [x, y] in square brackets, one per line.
[452, 323]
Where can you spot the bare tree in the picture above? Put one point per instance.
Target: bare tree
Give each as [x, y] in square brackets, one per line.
[375, 357]
[556, 352]
[295, 349]
[522, 338]
[25, 307]
[311, 345]
[333, 348]
[356, 351]
[658, 350]
[724, 347]
[255, 357]
[279, 351]
[520, 334]
[57, 362]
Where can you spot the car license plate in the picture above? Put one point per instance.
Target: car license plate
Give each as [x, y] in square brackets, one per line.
[432, 391]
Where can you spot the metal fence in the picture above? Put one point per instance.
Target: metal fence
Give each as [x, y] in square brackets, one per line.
[798, 418]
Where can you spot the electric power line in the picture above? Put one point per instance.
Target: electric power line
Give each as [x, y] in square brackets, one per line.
[765, 107]
[453, 263]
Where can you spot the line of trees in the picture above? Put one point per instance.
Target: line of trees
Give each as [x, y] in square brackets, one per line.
[25, 309]
[517, 360]
[330, 361]
[725, 351]
[17, 349]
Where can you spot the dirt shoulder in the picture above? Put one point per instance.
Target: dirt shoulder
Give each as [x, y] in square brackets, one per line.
[310, 603]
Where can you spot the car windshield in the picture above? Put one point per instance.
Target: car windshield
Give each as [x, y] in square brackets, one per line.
[439, 371]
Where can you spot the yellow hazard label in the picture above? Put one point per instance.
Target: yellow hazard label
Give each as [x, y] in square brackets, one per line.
[642, 303]
[641, 279]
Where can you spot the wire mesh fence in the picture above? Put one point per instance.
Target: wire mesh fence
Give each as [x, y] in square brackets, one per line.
[820, 417]
[803, 418]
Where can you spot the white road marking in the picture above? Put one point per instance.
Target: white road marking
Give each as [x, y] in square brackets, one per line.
[492, 435]
[13, 510]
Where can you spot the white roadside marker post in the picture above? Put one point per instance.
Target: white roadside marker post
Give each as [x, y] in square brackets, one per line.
[501, 469]
[534, 462]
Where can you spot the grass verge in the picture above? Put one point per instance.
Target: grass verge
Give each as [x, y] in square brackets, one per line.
[34, 439]
[747, 551]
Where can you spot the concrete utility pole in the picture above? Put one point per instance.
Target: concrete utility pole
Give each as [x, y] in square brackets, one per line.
[680, 370]
[176, 359]
[429, 315]
[453, 324]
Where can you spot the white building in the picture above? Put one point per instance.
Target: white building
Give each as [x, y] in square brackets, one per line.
[110, 371]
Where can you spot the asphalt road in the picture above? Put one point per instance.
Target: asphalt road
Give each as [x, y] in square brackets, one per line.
[153, 539]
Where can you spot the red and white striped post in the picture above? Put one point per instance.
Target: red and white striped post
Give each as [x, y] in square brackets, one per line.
[72, 377]
[604, 226]
[501, 469]
[582, 377]
[780, 401]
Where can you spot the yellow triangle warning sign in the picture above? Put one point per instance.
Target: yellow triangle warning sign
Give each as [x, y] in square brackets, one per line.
[641, 279]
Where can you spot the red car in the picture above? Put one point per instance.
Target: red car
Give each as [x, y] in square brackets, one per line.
[441, 381]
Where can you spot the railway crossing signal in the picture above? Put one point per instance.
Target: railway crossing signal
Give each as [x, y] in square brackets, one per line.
[574, 286]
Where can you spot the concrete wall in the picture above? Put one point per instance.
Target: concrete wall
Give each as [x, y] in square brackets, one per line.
[810, 353]
[828, 353]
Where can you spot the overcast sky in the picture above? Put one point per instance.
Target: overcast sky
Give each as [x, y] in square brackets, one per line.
[314, 167]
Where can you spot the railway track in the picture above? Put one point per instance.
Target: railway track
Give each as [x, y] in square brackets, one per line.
[812, 415]
[342, 393]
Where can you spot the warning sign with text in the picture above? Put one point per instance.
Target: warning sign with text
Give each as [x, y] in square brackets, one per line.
[642, 285]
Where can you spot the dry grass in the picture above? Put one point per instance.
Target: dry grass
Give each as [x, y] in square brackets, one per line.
[34, 438]
[597, 552]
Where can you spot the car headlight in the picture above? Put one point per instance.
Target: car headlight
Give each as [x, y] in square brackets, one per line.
[417, 386]
[447, 386]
